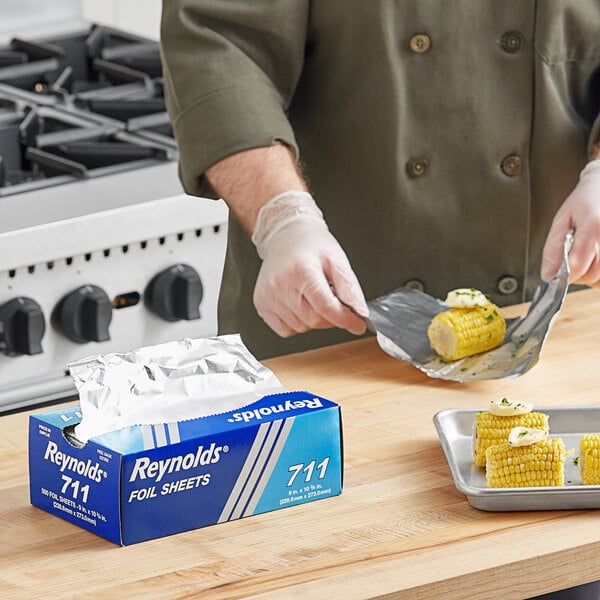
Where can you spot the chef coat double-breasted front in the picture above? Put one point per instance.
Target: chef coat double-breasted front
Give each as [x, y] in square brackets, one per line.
[439, 138]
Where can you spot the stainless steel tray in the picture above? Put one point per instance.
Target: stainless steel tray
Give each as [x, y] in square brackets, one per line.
[455, 429]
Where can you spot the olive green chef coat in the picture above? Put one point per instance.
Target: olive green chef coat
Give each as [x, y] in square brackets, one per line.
[439, 138]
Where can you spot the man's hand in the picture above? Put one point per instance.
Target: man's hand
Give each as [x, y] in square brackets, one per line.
[305, 273]
[305, 277]
[580, 212]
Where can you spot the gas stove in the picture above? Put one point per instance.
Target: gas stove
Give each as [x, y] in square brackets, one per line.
[100, 249]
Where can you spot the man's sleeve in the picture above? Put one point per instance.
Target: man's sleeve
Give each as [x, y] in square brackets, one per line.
[230, 69]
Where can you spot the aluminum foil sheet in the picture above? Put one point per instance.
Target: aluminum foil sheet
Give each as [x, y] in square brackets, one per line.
[400, 320]
[169, 382]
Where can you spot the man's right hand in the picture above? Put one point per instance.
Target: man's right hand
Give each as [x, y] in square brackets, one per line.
[305, 278]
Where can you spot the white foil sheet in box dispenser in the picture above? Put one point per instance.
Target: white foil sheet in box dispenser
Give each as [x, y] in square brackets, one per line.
[175, 381]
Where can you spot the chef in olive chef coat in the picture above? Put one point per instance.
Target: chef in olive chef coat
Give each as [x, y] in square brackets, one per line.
[439, 140]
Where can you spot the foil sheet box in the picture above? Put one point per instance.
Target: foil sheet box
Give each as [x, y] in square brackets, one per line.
[179, 436]
[149, 481]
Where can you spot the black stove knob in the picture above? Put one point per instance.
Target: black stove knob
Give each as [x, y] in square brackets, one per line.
[22, 327]
[175, 293]
[84, 315]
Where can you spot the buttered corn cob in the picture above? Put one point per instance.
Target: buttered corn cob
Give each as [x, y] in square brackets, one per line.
[491, 430]
[460, 332]
[540, 464]
[589, 458]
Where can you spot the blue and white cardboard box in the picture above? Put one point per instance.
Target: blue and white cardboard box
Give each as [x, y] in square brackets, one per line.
[149, 481]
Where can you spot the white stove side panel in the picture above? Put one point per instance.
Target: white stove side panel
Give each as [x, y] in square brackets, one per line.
[38, 18]
[41, 18]
[125, 15]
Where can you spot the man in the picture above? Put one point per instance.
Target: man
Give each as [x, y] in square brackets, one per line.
[439, 140]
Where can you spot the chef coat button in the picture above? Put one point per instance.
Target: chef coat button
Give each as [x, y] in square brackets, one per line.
[420, 43]
[511, 165]
[414, 284]
[508, 285]
[416, 167]
[511, 41]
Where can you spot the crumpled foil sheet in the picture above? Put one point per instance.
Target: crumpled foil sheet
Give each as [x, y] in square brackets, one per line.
[400, 320]
[175, 381]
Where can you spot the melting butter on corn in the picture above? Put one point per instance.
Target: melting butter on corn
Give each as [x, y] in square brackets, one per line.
[466, 298]
[525, 436]
[504, 407]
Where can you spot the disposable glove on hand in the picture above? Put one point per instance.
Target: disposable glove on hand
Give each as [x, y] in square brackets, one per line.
[305, 273]
[580, 212]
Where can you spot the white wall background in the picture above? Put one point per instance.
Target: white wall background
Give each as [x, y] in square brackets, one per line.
[138, 16]
[44, 18]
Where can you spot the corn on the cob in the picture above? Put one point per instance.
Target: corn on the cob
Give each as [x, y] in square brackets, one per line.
[540, 464]
[589, 458]
[460, 332]
[490, 429]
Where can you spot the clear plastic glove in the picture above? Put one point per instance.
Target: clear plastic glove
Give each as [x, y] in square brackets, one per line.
[305, 273]
[580, 212]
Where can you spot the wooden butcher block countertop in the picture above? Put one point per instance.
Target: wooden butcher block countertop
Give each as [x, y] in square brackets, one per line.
[400, 529]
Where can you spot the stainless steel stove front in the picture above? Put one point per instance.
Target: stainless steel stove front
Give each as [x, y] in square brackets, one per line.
[114, 233]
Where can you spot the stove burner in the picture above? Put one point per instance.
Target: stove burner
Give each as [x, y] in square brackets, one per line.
[36, 65]
[78, 106]
[123, 109]
[27, 65]
[112, 151]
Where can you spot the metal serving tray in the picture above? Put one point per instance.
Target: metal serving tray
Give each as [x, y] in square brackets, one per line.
[455, 429]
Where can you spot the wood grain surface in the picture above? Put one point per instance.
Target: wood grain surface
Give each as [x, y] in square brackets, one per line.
[399, 530]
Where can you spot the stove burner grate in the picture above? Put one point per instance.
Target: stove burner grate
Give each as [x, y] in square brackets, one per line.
[79, 103]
